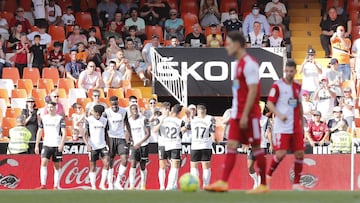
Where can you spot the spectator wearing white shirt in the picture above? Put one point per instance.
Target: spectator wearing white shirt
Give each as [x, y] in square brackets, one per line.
[112, 77]
[275, 40]
[146, 52]
[256, 38]
[135, 20]
[324, 97]
[89, 78]
[347, 104]
[308, 106]
[4, 29]
[68, 18]
[275, 12]
[311, 71]
[336, 78]
[54, 13]
[45, 37]
[39, 11]
[255, 16]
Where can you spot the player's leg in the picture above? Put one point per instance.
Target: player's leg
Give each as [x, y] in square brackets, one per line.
[205, 162]
[45, 157]
[162, 164]
[57, 168]
[112, 154]
[195, 157]
[298, 148]
[144, 154]
[104, 172]
[123, 151]
[134, 159]
[174, 171]
[251, 169]
[93, 156]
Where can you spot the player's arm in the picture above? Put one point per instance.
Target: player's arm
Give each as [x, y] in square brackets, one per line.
[326, 136]
[212, 129]
[128, 136]
[87, 135]
[107, 134]
[38, 137]
[271, 103]
[63, 133]
[268, 135]
[184, 127]
[308, 136]
[147, 134]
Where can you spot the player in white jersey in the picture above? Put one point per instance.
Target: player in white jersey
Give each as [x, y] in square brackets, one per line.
[119, 140]
[171, 129]
[53, 126]
[96, 141]
[139, 152]
[202, 136]
[165, 109]
[266, 138]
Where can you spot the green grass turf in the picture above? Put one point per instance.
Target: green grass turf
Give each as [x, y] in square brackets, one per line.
[49, 196]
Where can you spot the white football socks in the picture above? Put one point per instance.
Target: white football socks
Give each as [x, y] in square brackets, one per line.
[161, 175]
[92, 176]
[194, 171]
[43, 175]
[132, 174]
[206, 176]
[56, 178]
[143, 174]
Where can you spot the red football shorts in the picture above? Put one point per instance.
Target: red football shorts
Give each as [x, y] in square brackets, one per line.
[293, 142]
[251, 135]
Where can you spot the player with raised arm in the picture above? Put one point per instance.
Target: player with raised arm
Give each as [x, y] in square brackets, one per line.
[285, 101]
[165, 109]
[96, 141]
[119, 139]
[53, 126]
[171, 129]
[139, 152]
[202, 136]
[245, 114]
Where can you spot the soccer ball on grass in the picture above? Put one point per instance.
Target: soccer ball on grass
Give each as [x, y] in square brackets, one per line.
[189, 183]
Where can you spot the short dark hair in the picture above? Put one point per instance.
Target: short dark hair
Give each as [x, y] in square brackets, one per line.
[52, 103]
[232, 9]
[118, 11]
[133, 9]
[257, 22]
[173, 37]
[37, 36]
[68, 7]
[236, 36]
[113, 98]
[112, 62]
[99, 109]
[177, 108]
[92, 29]
[111, 37]
[132, 97]
[129, 40]
[290, 63]
[201, 106]
[165, 104]
[133, 27]
[275, 28]
[152, 99]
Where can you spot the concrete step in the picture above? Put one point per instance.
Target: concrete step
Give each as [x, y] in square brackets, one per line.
[304, 26]
[304, 12]
[305, 40]
[301, 4]
[305, 19]
[305, 33]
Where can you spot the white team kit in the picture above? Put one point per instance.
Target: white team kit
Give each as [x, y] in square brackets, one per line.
[116, 122]
[171, 131]
[96, 129]
[200, 132]
[138, 130]
[52, 127]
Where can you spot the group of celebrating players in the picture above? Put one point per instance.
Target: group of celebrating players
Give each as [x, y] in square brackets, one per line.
[126, 132]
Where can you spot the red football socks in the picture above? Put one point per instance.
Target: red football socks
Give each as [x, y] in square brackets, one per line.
[261, 163]
[274, 164]
[230, 159]
[298, 166]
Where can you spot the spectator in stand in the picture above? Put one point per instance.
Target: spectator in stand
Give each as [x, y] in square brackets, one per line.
[37, 54]
[82, 54]
[56, 59]
[45, 40]
[54, 97]
[135, 60]
[347, 103]
[275, 40]
[339, 9]
[196, 38]
[174, 26]
[214, 40]
[68, 18]
[146, 52]
[341, 51]
[355, 50]
[256, 38]
[232, 24]
[112, 33]
[136, 40]
[317, 133]
[78, 118]
[118, 19]
[308, 106]
[112, 77]
[3, 62]
[336, 78]
[22, 50]
[126, 6]
[19, 138]
[76, 37]
[93, 54]
[341, 141]
[155, 12]
[95, 101]
[14, 38]
[73, 68]
[92, 33]
[19, 18]
[174, 43]
[337, 117]
[324, 97]
[209, 13]
[40, 12]
[255, 15]
[275, 12]
[122, 65]
[106, 11]
[311, 71]
[135, 20]
[54, 13]
[4, 29]
[112, 49]
[329, 26]
[30, 115]
[89, 78]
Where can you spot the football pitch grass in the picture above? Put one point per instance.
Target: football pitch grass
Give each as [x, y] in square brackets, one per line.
[77, 196]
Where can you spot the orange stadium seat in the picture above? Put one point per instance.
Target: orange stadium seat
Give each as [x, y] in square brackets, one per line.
[39, 102]
[18, 93]
[83, 101]
[190, 6]
[119, 92]
[25, 84]
[57, 33]
[63, 4]
[5, 95]
[34, 28]
[62, 93]
[330, 3]
[26, 4]
[173, 4]
[353, 6]
[46, 84]
[90, 93]
[51, 73]
[124, 102]
[11, 6]
[32, 74]
[143, 103]
[84, 20]
[38, 93]
[154, 30]
[7, 124]
[13, 112]
[189, 19]
[126, 84]
[7, 15]
[246, 6]
[208, 31]
[133, 92]
[86, 4]
[11, 73]
[98, 32]
[227, 4]
[66, 84]
[69, 130]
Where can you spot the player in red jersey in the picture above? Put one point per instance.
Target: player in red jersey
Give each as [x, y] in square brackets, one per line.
[285, 101]
[245, 114]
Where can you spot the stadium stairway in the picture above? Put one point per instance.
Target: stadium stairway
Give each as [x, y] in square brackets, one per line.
[305, 30]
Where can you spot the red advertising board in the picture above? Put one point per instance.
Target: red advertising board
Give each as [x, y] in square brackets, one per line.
[321, 172]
